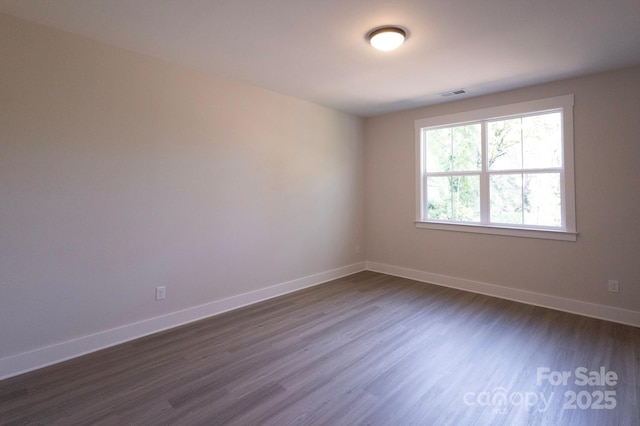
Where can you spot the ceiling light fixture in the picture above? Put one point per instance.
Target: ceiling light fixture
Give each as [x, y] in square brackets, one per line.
[386, 38]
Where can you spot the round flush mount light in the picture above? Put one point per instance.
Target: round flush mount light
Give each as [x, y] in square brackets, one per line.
[386, 38]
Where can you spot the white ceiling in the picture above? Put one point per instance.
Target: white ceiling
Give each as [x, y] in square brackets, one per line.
[316, 49]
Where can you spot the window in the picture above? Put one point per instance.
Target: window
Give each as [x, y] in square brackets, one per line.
[506, 170]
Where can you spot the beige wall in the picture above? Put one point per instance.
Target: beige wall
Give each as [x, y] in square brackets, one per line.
[607, 154]
[120, 173]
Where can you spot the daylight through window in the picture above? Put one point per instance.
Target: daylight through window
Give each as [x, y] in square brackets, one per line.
[505, 170]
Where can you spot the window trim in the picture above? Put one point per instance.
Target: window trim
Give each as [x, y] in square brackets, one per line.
[562, 103]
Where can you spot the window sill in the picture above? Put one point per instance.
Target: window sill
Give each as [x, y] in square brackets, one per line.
[500, 230]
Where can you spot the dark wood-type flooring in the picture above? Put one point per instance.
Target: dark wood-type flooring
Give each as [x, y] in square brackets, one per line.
[365, 349]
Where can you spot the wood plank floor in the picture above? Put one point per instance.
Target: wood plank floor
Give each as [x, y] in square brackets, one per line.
[365, 349]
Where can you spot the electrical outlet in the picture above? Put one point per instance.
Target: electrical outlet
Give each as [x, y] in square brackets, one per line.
[614, 286]
[161, 292]
[357, 249]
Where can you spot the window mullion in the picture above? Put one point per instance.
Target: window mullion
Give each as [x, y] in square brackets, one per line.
[484, 176]
[425, 194]
[522, 197]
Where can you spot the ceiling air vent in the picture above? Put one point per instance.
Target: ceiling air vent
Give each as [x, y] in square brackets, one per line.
[453, 93]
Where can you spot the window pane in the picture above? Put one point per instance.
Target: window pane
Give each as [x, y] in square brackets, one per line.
[506, 198]
[439, 154]
[439, 198]
[453, 198]
[542, 140]
[454, 149]
[542, 199]
[467, 148]
[505, 144]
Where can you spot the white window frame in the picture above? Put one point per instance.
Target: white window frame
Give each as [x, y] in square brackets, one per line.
[566, 232]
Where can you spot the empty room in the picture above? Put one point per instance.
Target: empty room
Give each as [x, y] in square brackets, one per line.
[274, 212]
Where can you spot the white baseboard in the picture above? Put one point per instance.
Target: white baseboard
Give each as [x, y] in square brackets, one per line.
[587, 309]
[45, 356]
